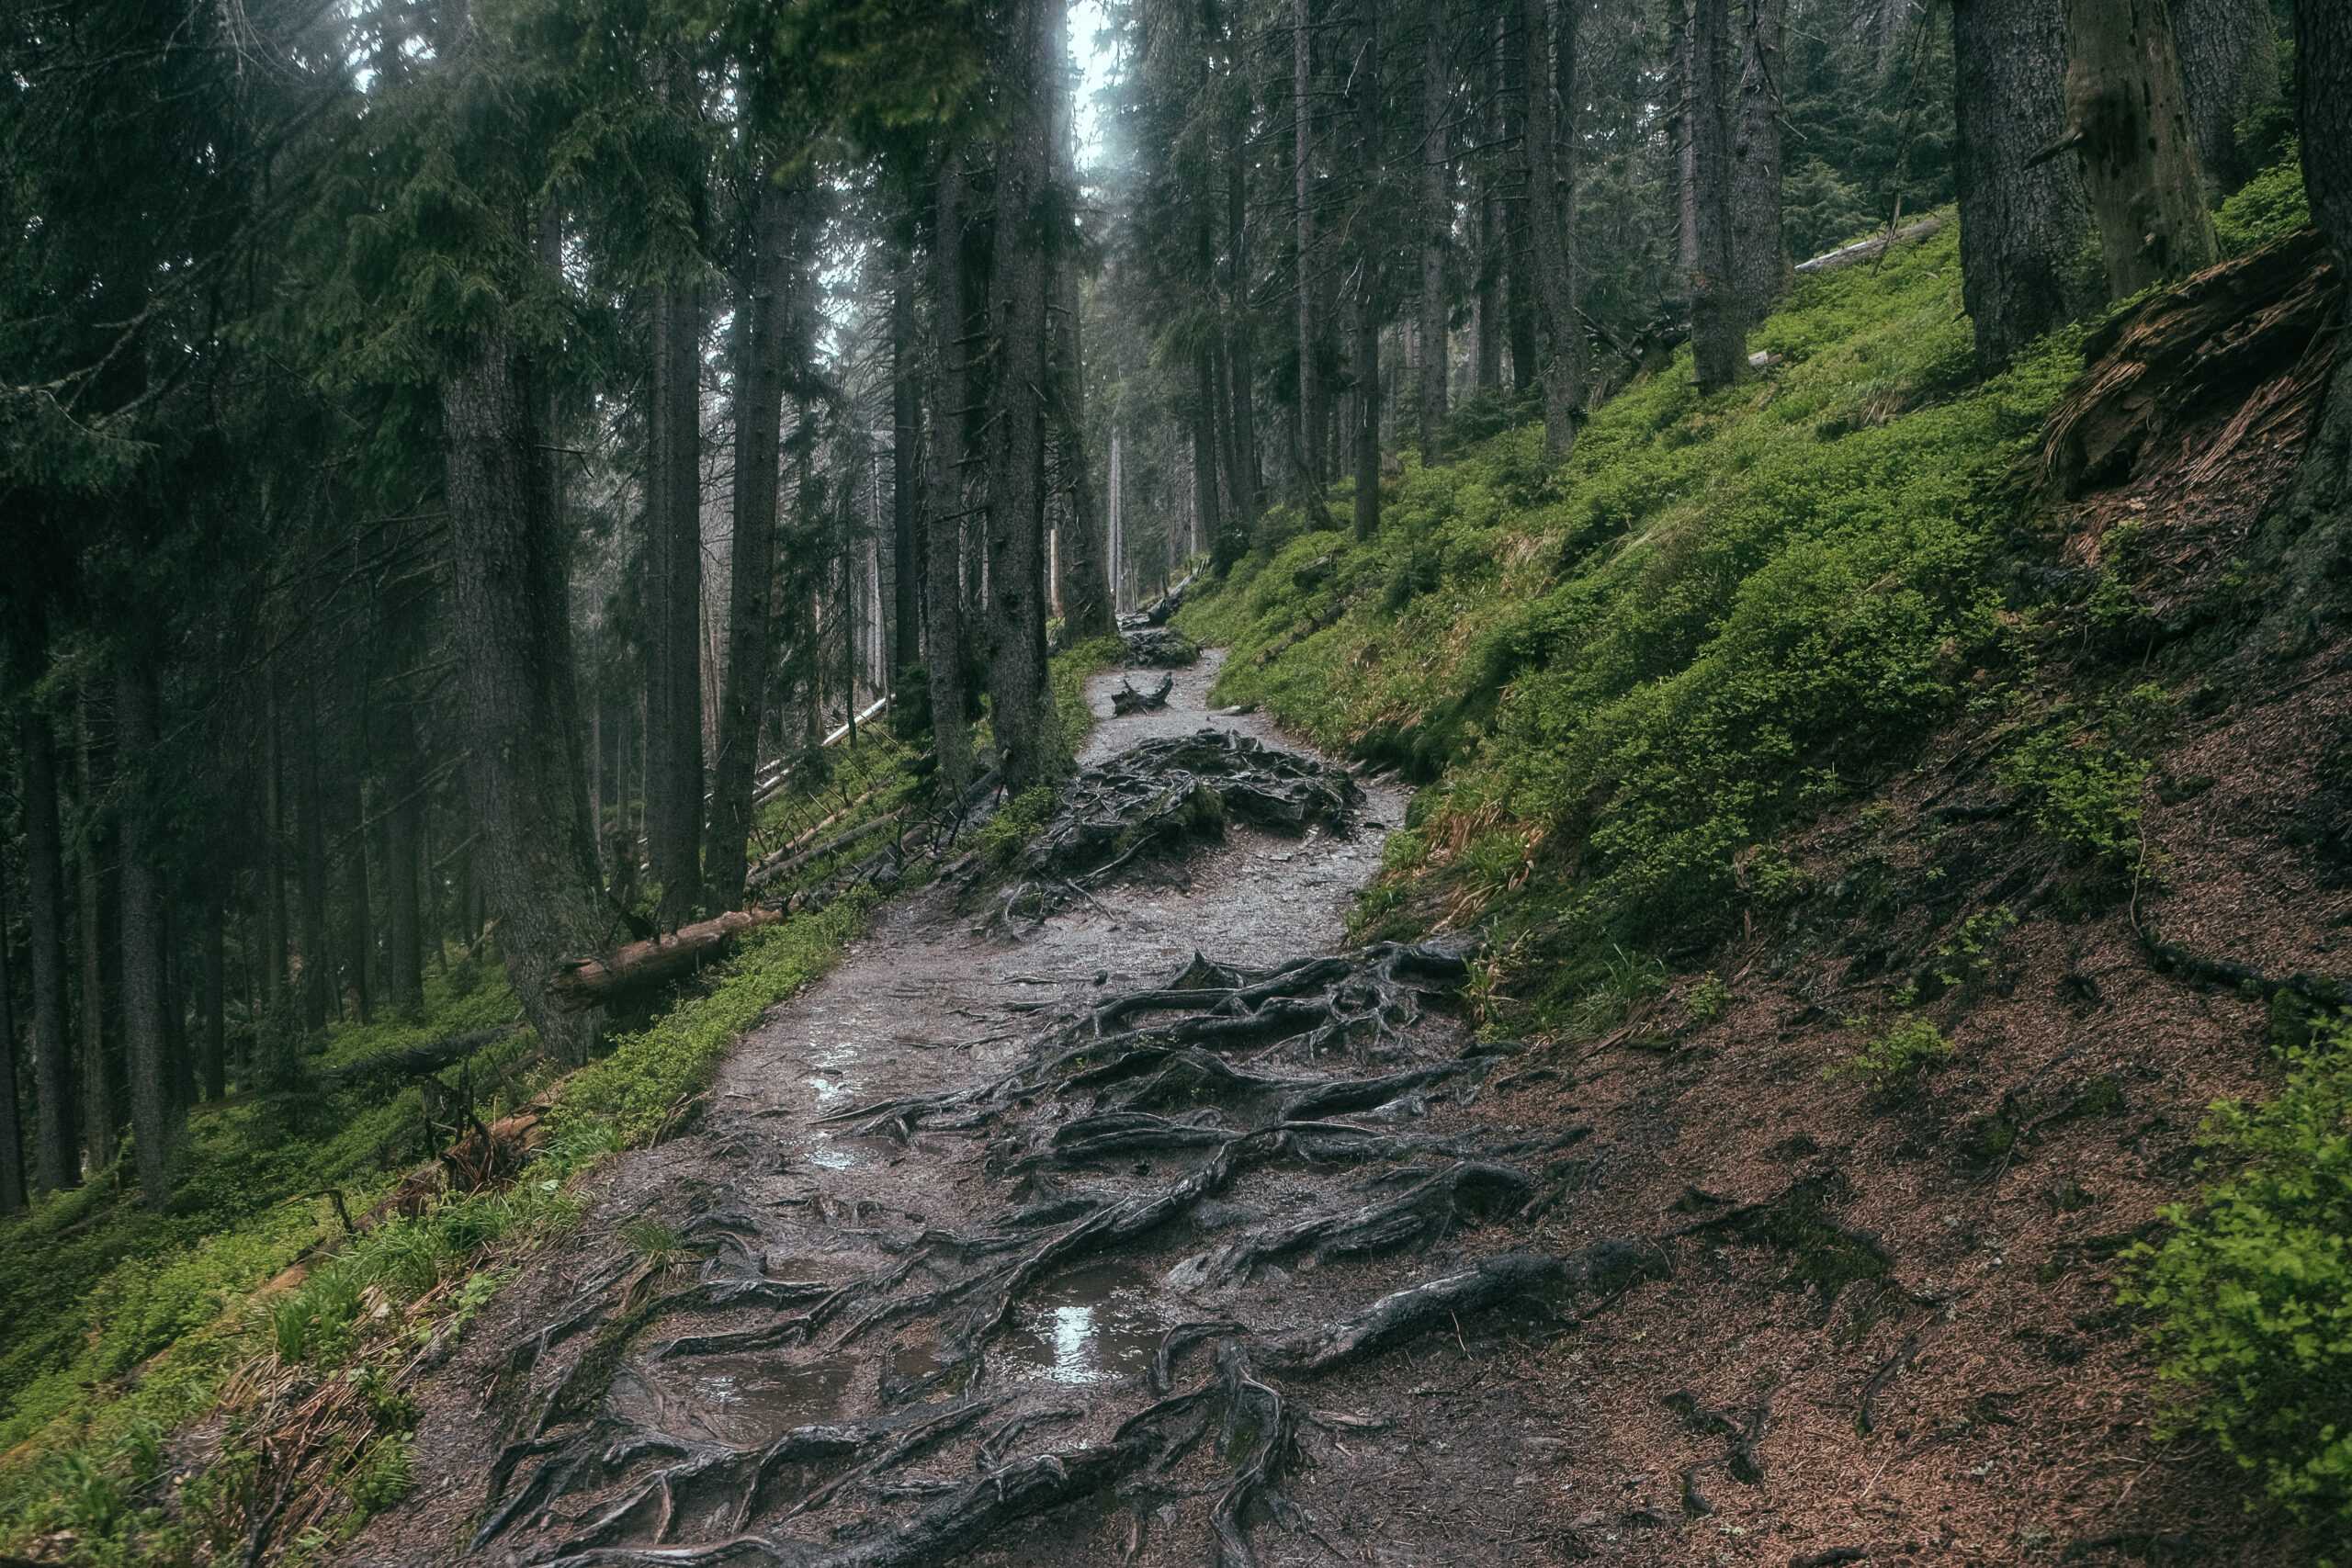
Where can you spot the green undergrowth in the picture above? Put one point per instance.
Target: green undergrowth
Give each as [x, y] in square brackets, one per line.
[2268, 206]
[94, 1283]
[135, 1324]
[2249, 1296]
[1629, 681]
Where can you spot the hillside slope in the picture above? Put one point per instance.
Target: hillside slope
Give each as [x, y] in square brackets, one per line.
[1894, 807]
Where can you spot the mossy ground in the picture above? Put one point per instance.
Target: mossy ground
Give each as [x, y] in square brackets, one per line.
[124, 1325]
[1627, 680]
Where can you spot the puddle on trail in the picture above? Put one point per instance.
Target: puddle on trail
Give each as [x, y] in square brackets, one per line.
[743, 1400]
[1091, 1326]
[828, 1151]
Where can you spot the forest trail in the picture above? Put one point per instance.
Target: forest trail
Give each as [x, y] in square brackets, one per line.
[930, 1333]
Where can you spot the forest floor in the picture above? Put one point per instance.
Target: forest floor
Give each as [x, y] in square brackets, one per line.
[1070, 1247]
[975, 1317]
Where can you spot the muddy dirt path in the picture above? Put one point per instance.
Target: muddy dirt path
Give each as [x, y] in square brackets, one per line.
[1064, 1250]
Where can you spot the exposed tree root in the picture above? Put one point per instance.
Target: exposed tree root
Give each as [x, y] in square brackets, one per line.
[1160, 647]
[1153, 797]
[1178, 1075]
[1127, 700]
[1604, 1266]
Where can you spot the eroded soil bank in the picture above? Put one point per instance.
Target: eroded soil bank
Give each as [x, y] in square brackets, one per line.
[1006, 1251]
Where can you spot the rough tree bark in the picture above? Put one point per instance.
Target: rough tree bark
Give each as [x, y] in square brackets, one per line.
[1437, 226]
[1367, 291]
[513, 631]
[673, 668]
[1686, 154]
[2321, 497]
[1759, 262]
[97, 943]
[56, 1164]
[1521, 289]
[1084, 584]
[943, 498]
[1027, 231]
[2022, 222]
[212, 1047]
[359, 909]
[1309, 457]
[142, 914]
[1718, 332]
[2324, 112]
[311, 900]
[1225, 544]
[403, 869]
[2229, 68]
[12, 1124]
[2128, 120]
[275, 939]
[1550, 215]
[761, 321]
[906, 441]
[1240, 363]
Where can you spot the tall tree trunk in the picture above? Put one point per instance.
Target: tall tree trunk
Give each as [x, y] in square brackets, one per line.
[674, 668]
[1550, 215]
[56, 1152]
[181, 1062]
[1680, 26]
[2128, 120]
[1759, 262]
[763, 318]
[275, 935]
[404, 871]
[1239, 361]
[1718, 346]
[944, 633]
[2324, 114]
[361, 915]
[2321, 500]
[98, 1123]
[1521, 290]
[1366, 310]
[318, 987]
[1022, 708]
[512, 619]
[906, 440]
[143, 950]
[1309, 457]
[212, 1043]
[1437, 226]
[2229, 68]
[1082, 583]
[1226, 542]
[1085, 580]
[13, 1192]
[2022, 222]
[1486, 296]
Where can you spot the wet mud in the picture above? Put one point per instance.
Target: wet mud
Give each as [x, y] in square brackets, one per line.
[1175, 1231]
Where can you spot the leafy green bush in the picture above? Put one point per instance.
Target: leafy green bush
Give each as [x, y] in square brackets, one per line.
[2266, 206]
[1895, 1061]
[2250, 1295]
[2082, 792]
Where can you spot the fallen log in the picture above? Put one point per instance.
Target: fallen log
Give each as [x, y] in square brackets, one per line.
[784, 863]
[658, 961]
[1877, 244]
[2247, 341]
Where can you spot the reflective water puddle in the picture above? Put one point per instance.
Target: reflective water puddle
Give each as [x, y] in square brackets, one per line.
[1092, 1326]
